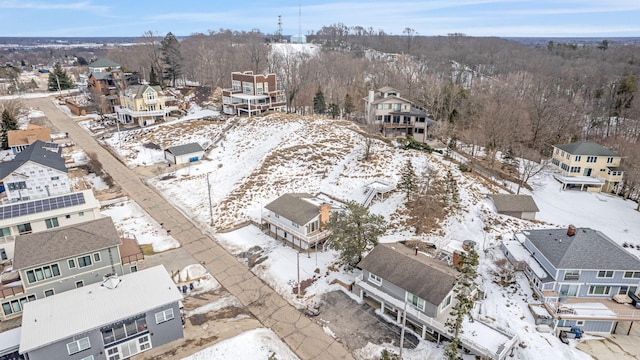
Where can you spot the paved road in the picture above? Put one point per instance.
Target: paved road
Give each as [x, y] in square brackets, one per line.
[304, 337]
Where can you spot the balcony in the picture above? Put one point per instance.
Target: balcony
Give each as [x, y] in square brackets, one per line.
[151, 101]
[613, 175]
[124, 110]
[592, 308]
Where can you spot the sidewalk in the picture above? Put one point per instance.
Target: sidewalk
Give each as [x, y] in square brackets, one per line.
[306, 338]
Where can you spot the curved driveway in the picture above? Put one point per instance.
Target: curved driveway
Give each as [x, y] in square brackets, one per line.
[306, 338]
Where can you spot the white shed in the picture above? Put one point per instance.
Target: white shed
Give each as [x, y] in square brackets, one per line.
[183, 154]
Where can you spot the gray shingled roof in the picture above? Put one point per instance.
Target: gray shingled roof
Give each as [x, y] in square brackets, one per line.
[586, 148]
[64, 242]
[36, 153]
[418, 274]
[513, 203]
[104, 63]
[292, 206]
[139, 90]
[185, 149]
[587, 249]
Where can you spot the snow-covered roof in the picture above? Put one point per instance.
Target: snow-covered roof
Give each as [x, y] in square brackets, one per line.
[521, 254]
[89, 307]
[249, 97]
[9, 341]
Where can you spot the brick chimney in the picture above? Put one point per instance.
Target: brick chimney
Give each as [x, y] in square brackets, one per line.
[571, 231]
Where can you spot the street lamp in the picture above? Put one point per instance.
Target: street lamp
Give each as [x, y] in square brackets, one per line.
[298, 262]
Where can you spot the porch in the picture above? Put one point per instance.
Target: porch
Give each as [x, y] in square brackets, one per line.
[592, 308]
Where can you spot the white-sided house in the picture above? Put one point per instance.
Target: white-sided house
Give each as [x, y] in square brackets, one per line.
[297, 218]
[32, 216]
[183, 154]
[114, 319]
[395, 277]
[582, 276]
[36, 172]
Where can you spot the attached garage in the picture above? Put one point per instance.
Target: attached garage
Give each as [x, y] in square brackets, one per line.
[183, 154]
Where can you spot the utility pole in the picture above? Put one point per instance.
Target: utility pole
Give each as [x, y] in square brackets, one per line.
[298, 262]
[404, 322]
[210, 204]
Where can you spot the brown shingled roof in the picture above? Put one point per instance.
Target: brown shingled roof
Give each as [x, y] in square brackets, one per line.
[64, 242]
[29, 135]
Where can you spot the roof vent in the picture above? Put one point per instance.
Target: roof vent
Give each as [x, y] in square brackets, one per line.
[111, 281]
[571, 231]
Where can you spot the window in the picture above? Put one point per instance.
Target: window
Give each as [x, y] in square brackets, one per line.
[49, 292]
[72, 264]
[605, 274]
[84, 261]
[51, 223]
[112, 354]
[15, 306]
[575, 169]
[90, 357]
[446, 302]
[572, 274]
[67, 216]
[610, 160]
[163, 316]
[266, 87]
[24, 228]
[632, 274]
[96, 257]
[415, 301]
[19, 185]
[599, 290]
[134, 268]
[592, 159]
[78, 345]
[42, 273]
[124, 330]
[55, 177]
[81, 213]
[578, 158]
[79, 284]
[579, 322]
[375, 279]
[5, 232]
[3, 254]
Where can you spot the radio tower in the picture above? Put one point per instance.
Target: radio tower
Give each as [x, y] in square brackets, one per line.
[300, 21]
[280, 28]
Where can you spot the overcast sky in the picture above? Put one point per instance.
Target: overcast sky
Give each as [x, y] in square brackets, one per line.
[543, 18]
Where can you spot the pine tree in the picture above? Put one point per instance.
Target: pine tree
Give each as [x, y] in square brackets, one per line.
[59, 79]
[172, 58]
[408, 179]
[467, 265]
[354, 231]
[319, 106]
[334, 110]
[9, 122]
[348, 105]
[153, 77]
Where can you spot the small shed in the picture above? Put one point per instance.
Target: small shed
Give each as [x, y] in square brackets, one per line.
[519, 206]
[183, 154]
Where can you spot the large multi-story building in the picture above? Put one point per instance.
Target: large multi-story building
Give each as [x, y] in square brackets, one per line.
[252, 94]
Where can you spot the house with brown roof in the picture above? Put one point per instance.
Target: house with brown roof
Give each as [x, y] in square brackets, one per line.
[404, 282]
[65, 258]
[297, 218]
[519, 206]
[252, 94]
[18, 140]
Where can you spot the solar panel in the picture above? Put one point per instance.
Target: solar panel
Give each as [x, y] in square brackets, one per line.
[36, 206]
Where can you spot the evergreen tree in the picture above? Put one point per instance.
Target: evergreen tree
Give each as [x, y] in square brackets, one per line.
[9, 122]
[59, 79]
[354, 231]
[319, 106]
[408, 179]
[452, 188]
[172, 58]
[467, 265]
[82, 61]
[334, 110]
[153, 77]
[348, 105]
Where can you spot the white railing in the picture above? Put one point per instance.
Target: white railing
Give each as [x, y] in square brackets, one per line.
[7, 239]
[468, 343]
[297, 232]
[132, 113]
[566, 309]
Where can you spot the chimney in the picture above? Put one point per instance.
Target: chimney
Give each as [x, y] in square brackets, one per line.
[416, 251]
[324, 213]
[571, 231]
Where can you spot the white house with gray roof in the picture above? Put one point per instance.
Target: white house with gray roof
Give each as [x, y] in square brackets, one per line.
[34, 173]
[182, 154]
[396, 277]
[519, 206]
[111, 320]
[580, 274]
[297, 218]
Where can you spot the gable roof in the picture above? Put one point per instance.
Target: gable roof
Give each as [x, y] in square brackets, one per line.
[419, 274]
[64, 242]
[84, 309]
[104, 63]
[587, 249]
[37, 153]
[139, 90]
[513, 203]
[28, 135]
[586, 148]
[185, 149]
[292, 206]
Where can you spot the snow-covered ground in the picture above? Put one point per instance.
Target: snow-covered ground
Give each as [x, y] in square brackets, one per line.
[256, 344]
[263, 157]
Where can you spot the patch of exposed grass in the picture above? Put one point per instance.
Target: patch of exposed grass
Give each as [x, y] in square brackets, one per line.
[147, 249]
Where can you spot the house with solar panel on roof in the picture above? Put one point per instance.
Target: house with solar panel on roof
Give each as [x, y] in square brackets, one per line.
[36, 172]
[65, 258]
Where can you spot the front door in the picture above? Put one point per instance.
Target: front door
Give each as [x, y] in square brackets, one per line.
[587, 171]
[568, 290]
